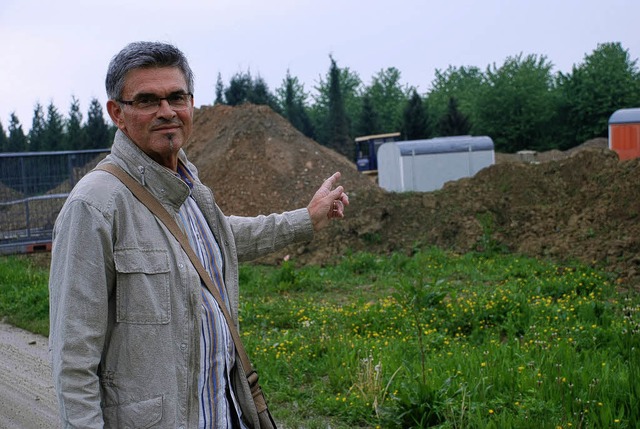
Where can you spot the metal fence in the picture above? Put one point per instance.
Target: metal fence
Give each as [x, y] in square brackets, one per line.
[33, 188]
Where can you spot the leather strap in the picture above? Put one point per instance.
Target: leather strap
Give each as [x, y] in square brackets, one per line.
[161, 213]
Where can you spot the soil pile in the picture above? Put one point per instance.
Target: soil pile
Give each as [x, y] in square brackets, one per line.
[257, 163]
[581, 204]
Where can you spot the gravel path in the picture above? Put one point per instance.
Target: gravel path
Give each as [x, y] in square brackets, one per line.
[27, 398]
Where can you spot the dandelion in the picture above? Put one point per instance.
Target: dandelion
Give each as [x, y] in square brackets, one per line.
[490, 411]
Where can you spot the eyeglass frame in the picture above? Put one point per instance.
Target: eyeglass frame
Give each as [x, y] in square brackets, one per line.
[159, 101]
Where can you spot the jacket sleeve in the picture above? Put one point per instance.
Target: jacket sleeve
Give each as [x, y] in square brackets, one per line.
[78, 287]
[258, 236]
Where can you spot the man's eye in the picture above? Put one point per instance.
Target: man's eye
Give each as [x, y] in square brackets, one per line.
[176, 98]
[146, 101]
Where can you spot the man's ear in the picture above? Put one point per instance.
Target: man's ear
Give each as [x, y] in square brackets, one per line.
[116, 113]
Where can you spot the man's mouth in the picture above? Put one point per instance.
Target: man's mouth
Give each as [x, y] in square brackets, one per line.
[166, 128]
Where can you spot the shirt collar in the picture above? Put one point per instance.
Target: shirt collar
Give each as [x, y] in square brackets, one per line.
[185, 174]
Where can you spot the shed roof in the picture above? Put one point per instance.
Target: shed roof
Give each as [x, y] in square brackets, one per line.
[625, 116]
[445, 145]
[376, 136]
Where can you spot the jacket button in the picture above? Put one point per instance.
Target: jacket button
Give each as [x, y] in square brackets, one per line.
[181, 266]
[183, 347]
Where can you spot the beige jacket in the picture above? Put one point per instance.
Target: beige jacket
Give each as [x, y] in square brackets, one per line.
[125, 300]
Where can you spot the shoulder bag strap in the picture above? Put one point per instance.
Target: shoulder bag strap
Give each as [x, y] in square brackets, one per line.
[161, 213]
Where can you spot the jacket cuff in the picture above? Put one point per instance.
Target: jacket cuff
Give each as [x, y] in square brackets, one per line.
[303, 230]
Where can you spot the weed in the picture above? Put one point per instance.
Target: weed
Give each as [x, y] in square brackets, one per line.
[487, 243]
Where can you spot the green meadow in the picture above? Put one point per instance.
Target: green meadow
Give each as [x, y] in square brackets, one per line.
[435, 339]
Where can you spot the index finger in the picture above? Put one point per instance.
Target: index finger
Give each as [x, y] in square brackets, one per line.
[332, 180]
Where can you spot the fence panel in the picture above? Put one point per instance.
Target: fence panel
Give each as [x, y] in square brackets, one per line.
[33, 188]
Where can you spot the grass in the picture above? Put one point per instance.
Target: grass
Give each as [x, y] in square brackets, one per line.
[433, 340]
[24, 294]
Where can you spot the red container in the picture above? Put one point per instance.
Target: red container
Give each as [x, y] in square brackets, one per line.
[624, 133]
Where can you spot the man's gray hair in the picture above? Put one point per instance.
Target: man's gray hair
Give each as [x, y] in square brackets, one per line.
[139, 55]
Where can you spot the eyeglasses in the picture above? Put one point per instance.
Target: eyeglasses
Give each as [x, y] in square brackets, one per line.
[150, 103]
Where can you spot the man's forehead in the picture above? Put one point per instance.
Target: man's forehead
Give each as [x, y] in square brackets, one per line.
[154, 79]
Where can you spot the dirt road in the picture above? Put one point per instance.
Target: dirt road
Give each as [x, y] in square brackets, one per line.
[27, 399]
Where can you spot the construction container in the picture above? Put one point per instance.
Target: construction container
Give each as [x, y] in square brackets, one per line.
[426, 165]
[624, 133]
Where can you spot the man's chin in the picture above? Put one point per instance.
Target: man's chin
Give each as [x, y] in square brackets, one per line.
[166, 137]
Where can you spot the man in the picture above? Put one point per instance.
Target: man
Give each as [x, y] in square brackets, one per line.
[136, 339]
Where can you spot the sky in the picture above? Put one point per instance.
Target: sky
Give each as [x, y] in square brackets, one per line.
[53, 50]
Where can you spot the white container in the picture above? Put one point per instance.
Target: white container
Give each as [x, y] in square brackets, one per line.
[426, 165]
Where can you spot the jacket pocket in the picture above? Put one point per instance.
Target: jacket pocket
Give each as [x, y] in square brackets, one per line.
[136, 415]
[142, 289]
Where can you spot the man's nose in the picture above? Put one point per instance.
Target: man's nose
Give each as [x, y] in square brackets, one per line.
[165, 110]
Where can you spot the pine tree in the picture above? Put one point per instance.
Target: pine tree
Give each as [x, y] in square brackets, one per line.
[293, 106]
[75, 135]
[453, 123]
[17, 141]
[219, 91]
[53, 130]
[415, 119]
[4, 141]
[36, 134]
[239, 89]
[369, 121]
[245, 89]
[339, 139]
[96, 131]
[261, 95]
[350, 86]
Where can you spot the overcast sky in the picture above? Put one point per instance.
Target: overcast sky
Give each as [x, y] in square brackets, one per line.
[53, 50]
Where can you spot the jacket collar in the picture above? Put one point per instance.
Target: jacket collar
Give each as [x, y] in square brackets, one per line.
[164, 184]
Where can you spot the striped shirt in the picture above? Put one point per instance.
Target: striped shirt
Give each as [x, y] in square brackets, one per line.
[218, 407]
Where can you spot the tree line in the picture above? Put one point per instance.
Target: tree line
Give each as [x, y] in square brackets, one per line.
[54, 132]
[521, 104]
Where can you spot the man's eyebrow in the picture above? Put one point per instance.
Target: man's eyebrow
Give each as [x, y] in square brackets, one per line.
[151, 94]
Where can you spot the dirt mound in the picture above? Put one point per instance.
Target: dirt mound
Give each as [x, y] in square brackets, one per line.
[256, 162]
[581, 204]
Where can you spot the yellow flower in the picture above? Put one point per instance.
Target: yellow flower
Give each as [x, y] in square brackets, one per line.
[490, 411]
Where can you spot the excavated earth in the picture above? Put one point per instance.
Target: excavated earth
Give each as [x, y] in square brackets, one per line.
[582, 204]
